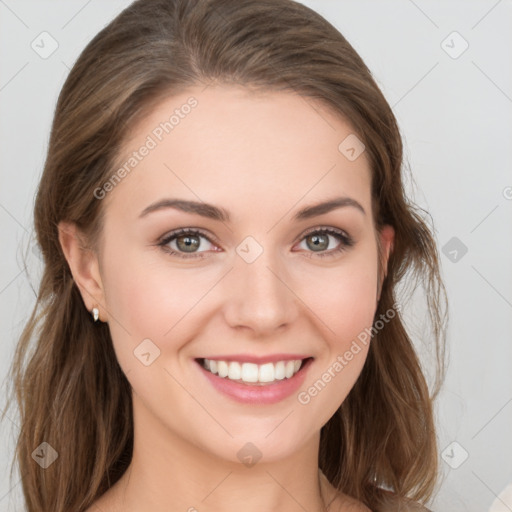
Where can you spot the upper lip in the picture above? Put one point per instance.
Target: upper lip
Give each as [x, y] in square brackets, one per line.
[247, 358]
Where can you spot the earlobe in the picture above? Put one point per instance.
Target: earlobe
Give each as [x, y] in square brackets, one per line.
[84, 267]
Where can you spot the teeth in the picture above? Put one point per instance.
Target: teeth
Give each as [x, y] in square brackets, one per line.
[252, 373]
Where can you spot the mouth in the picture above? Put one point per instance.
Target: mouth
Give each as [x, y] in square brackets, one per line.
[253, 374]
[254, 384]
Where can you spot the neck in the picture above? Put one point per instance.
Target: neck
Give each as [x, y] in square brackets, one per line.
[168, 473]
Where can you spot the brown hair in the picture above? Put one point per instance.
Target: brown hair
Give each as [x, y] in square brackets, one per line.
[70, 389]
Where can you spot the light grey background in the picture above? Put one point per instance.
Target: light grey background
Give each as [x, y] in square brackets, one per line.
[455, 116]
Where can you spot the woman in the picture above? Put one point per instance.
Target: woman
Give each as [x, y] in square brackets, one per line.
[224, 226]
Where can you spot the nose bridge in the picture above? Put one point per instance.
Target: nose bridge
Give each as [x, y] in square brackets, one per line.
[260, 297]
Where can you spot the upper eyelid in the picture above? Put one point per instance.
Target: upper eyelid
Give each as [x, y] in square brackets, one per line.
[338, 231]
[212, 239]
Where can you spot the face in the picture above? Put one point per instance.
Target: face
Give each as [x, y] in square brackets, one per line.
[248, 278]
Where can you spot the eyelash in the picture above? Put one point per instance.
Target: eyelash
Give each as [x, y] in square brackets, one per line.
[346, 242]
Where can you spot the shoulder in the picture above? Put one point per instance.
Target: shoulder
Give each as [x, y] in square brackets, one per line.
[389, 501]
[403, 506]
[392, 503]
[105, 503]
[344, 502]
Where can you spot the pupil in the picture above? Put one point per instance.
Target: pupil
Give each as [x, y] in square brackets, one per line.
[317, 243]
[190, 243]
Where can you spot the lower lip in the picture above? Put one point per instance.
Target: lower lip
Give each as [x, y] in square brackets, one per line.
[257, 394]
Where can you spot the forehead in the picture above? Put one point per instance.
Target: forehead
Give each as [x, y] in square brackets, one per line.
[248, 149]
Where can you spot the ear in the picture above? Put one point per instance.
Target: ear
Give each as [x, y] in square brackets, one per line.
[386, 239]
[84, 267]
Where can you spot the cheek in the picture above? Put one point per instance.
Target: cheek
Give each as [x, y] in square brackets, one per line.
[343, 298]
[148, 299]
[345, 305]
[153, 300]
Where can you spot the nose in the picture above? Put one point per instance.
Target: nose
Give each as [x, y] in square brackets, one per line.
[260, 296]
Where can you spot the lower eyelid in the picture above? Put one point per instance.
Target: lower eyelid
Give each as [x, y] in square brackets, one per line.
[345, 242]
[172, 238]
[342, 239]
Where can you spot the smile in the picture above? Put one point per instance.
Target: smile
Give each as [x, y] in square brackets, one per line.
[227, 377]
[251, 372]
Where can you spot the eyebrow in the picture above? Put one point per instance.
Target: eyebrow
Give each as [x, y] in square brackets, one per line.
[216, 213]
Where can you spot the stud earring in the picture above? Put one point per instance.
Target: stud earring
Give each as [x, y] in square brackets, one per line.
[95, 314]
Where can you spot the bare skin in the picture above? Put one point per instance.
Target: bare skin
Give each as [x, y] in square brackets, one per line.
[261, 157]
[332, 500]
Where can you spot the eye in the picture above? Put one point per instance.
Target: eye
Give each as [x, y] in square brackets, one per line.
[187, 241]
[318, 239]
